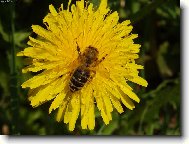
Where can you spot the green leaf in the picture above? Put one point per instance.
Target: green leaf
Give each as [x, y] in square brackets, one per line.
[19, 37]
[146, 10]
[111, 127]
[167, 92]
[4, 35]
[163, 67]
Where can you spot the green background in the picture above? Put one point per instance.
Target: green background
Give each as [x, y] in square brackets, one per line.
[157, 22]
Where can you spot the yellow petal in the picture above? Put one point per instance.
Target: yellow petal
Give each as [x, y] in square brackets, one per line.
[57, 101]
[139, 81]
[69, 2]
[84, 117]
[53, 10]
[126, 100]
[75, 102]
[131, 94]
[46, 92]
[91, 116]
[101, 106]
[103, 6]
[61, 110]
[116, 103]
[37, 53]
[68, 113]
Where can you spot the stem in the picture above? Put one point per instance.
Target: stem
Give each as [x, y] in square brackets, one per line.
[13, 87]
[101, 129]
[141, 120]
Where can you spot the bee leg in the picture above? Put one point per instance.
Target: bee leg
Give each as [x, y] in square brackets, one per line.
[99, 61]
[103, 58]
[78, 49]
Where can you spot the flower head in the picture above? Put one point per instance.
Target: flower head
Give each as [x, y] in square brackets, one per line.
[86, 57]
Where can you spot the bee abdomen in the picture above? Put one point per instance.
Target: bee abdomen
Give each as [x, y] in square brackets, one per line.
[78, 79]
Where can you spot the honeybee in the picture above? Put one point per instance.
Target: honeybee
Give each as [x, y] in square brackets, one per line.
[87, 59]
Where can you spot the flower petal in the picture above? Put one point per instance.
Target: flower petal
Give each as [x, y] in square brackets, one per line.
[57, 101]
[75, 102]
[53, 10]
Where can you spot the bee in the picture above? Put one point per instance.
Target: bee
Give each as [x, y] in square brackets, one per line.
[82, 74]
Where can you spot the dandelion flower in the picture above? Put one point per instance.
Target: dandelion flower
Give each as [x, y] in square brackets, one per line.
[56, 55]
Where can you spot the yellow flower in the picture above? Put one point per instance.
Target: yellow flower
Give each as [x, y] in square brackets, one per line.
[81, 41]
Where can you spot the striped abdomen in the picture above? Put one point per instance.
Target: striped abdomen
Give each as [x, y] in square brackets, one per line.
[78, 79]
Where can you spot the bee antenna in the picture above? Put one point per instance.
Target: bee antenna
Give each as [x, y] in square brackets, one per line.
[78, 36]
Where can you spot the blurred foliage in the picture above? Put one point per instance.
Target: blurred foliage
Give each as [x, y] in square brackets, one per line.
[157, 23]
